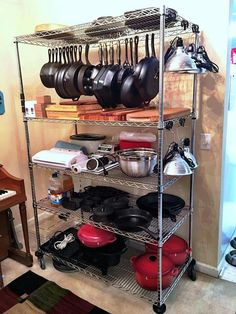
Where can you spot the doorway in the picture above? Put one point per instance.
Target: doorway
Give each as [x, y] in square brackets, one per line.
[228, 230]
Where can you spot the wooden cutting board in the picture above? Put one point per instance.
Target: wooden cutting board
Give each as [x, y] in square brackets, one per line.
[152, 115]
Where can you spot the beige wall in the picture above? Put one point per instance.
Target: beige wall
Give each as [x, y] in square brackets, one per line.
[20, 17]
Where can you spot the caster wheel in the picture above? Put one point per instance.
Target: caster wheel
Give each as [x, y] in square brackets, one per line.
[159, 309]
[42, 263]
[191, 270]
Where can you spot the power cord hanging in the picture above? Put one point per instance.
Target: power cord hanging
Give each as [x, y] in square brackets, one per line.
[60, 245]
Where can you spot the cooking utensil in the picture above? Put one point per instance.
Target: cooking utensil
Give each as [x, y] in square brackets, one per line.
[133, 220]
[175, 248]
[59, 75]
[48, 70]
[129, 94]
[233, 242]
[84, 81]
[146, 73]
[146, 266]
[231, 258]
[88, 140]
[171, 204]
[71, 74]
[137, 162]
[106, 256]
[94, 237]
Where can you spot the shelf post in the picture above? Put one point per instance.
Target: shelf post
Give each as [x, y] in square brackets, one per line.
[160, 150]
[33, 193]
[193, 138]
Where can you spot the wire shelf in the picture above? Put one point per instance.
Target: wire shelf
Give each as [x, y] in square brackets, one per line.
[108, 28]
[175, 121]
[116, 176]
[169, 227]
[122, 277]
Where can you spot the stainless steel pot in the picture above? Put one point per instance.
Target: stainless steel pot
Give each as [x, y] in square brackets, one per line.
[137, 162]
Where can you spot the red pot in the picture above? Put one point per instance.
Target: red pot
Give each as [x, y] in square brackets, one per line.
[146, 266]
[94, 237]
[124, 144]
[175, 248]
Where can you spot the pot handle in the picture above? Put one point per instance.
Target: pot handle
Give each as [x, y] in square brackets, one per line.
[151, 233]
[133, 259]
[175, 272]
[111, 240]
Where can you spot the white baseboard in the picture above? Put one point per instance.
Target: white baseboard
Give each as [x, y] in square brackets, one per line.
[207, 269]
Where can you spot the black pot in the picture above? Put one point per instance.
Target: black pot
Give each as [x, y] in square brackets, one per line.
[106, 256]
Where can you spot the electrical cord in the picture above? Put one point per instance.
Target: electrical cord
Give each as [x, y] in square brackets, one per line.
[60, 245]
[208, 64]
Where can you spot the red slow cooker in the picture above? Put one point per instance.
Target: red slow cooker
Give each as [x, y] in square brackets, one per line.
[94, 237]
[175, 248]
[146, 266]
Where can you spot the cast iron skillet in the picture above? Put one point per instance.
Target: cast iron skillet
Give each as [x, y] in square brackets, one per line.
[71, 74]
[98, 67]
[49, 69]
[133, 220]
[130, 96]
[108, 91]
[172, 205]
[96, 85]
[84, 81]
[59, 76]
[146, 73]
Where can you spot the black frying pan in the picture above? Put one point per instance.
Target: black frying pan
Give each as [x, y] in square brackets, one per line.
[84, 81]
[59, 76]
[71, 74]
[125, 70]
[96, 83]
[172, 204]
[130, 96]
[133, 220]
[108, 91]
[146, 73]
[49, 69]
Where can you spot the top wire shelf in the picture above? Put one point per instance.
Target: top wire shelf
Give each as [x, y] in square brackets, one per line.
[105, 29]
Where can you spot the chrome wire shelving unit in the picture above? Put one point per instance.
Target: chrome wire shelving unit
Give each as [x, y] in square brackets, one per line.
[96, 33]
[122, 277]
[80, 217]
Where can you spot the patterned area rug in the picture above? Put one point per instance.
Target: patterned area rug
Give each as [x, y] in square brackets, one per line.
[31, 293]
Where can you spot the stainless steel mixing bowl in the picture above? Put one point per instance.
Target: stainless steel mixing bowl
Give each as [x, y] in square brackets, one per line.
[137, 162]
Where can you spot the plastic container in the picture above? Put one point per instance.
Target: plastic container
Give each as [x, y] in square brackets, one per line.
[136, 140]
[55, 189]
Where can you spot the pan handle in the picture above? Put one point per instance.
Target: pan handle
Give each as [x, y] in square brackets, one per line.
[136, 41]
[75, 49]
[68, 54]
[153, 45]
[147, 46]
[131, 51]
[111, 54]
[100, 55]
[53, 55]
[87, 54]
[56, 54]
[105, 55]
[118, 53]
[80, 53]
[72, 54]
[126, 62]
[151, 233]
[60, 54]
[49, 55]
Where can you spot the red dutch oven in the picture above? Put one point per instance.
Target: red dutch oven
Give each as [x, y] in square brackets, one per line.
[146, 266]
[175, 248]
[94, 237]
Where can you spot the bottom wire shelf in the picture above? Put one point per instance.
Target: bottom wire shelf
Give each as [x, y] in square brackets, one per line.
[122, 277]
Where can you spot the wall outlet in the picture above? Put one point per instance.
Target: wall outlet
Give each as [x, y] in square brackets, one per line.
[205, 141]
[2, 105]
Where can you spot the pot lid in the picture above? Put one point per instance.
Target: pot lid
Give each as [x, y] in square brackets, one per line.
[88, 137]
[93, 234]
[175, 244]
[147, 264]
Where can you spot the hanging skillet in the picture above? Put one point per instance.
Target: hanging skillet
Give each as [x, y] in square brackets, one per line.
[108, 91]
[71, 74]
[59, 76]
[84, 81]
[49, 69]
[146, 73]
[130, 96]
